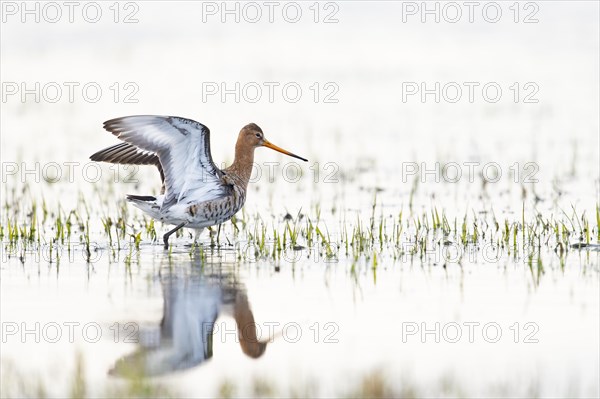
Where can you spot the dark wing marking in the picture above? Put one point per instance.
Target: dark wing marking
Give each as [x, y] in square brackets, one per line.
[128, 154]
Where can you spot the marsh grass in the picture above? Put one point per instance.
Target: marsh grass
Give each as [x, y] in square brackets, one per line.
[375, 383]
[358, 238]
[18, 384]
[378, 384]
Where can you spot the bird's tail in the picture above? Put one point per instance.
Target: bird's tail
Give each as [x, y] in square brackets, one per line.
[147, 203]
[144, 198]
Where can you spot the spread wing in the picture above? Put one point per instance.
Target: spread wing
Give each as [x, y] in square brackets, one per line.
[183, 150]
[128, 154]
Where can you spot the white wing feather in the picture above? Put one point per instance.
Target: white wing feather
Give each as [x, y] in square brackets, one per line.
[183, 148]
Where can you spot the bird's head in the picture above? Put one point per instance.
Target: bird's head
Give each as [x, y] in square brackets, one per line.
[252, 136]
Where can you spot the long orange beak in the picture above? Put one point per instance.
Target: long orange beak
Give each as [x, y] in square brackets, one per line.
[281, 150]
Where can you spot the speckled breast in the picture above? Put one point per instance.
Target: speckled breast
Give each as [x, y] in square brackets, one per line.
[216, 211]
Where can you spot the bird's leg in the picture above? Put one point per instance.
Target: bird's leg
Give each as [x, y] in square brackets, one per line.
[166, 236]
[197, 235]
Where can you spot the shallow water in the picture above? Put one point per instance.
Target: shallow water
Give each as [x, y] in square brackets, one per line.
[321, 323]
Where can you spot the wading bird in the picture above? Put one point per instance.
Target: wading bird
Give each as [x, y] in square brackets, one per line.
[195, 193]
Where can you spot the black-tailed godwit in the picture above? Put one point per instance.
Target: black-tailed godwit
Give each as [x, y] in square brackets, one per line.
[195, 193]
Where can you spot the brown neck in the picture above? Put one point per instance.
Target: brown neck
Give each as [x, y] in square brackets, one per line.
[241, 167]
[249, 340]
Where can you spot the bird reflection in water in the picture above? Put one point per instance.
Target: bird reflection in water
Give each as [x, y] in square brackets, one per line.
[192, 301]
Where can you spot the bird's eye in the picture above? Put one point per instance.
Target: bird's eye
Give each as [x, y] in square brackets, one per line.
[258, 135]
